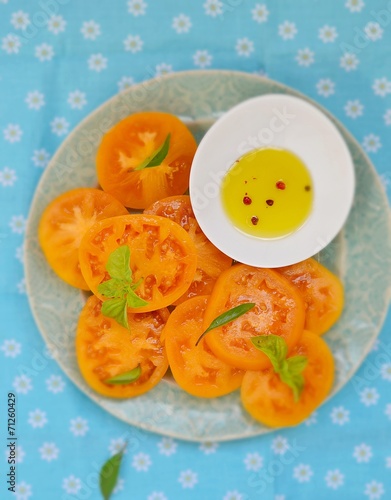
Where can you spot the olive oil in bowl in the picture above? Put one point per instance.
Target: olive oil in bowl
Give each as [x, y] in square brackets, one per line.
[268, 193]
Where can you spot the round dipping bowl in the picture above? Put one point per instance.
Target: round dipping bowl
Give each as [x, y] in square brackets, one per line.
[284, 122]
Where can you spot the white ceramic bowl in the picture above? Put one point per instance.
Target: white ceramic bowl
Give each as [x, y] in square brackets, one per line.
[282, 121]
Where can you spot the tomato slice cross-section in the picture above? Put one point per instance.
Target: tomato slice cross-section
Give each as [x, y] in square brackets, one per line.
[271, 402]
[322, 292]
[163, 258]
[195, 368]
[105, 350]
[210, 260]
[278, 310]
[65, 221]
[126, 147]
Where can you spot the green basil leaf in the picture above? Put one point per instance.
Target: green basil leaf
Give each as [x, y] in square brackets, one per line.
[295, 381]
[133, 300]
[112, 288]
[109, 474]
[116, 309]
[118, 264]
[227, 317]
[297, 364]
[291, 374]
[283, 368]
[288, 369]
[125, 378]
[157, 156]
[274, 347]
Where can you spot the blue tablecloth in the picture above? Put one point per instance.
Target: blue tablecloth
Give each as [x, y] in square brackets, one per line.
[59, 60]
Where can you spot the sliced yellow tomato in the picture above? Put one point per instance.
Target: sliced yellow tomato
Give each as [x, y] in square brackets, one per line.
[163, 257]
[106, 350]
[210, 260]
[64, 223]
[130, 143]
[321, 290]
[195, 368]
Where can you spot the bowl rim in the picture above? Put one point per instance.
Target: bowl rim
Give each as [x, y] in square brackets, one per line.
[326, 219]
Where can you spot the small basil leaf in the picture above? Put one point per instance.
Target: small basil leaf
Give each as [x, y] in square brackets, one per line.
[125, 378]
[133, 300]
[136, 285]
[288, 369]
[116, 309]
[297, 364]
[227, 317]
[157, 156]
[112, 288]
[118, 264]
[295, 381]
[109, 474]
[283, 368]
[273, 346]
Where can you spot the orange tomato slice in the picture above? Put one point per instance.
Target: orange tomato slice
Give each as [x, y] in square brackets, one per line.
[64, 223]
[163, 258]
[210, 260]
[321, 290]
[278, 310]
[104, 349]
[195, 368]
[271, 402]
[129, 143]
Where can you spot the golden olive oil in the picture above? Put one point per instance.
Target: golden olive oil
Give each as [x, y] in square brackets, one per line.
[268, 193]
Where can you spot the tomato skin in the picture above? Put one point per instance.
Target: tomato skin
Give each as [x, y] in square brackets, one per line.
[63, 224]
[210, 260]
[271, 402]
[129, 143]
[322, 292]
[195, 368]
[105, 349]
[278, 310]
[163, 257]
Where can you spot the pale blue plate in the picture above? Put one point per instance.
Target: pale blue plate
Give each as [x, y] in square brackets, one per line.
[361, 254]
